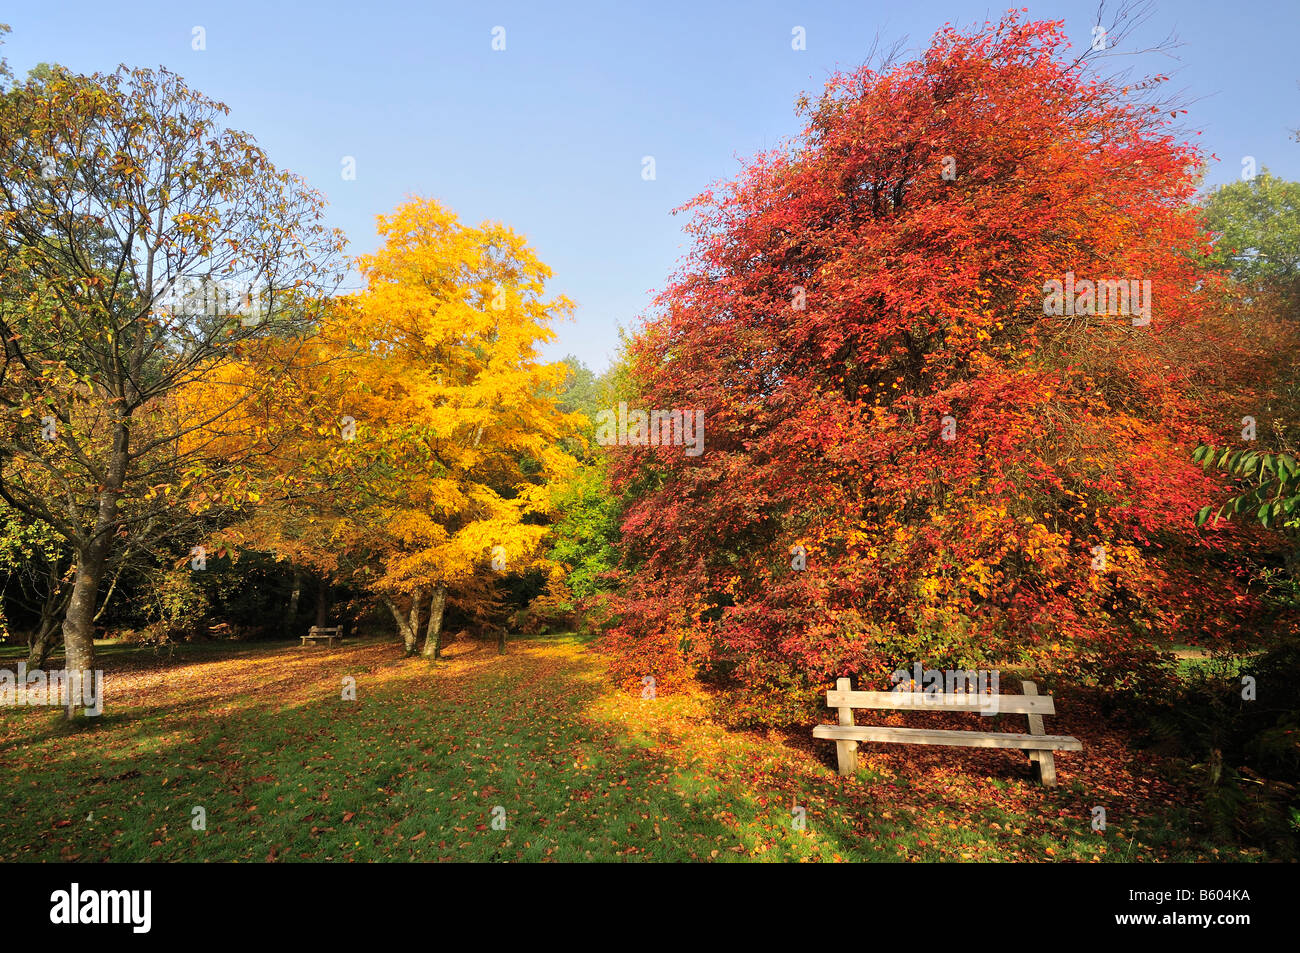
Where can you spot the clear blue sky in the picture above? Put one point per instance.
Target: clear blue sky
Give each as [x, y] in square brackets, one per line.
[548, 135]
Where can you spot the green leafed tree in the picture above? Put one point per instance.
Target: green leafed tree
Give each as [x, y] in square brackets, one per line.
[1267, 485]
[143, 246]
[1256, 224]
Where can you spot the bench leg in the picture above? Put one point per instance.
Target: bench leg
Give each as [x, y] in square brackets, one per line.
[1046, 768]
[1046, 763]
[846, 752]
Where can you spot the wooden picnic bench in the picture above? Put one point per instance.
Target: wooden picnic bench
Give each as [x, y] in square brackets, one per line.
[328, 633]
[1037, 743]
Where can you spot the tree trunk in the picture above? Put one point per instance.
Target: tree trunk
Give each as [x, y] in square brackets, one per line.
[403, 626]
[414, 622]
[433, 637]
[501, 642]
[291, 614]
[322, 602]
[92, 555]
[47, 633]
[349, 619]
[46, 638]
[79, 620]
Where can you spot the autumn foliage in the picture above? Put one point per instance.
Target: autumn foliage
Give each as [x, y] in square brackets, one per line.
[412, 450]
[862, 320]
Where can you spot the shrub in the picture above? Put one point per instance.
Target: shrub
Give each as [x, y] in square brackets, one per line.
[1245, 754]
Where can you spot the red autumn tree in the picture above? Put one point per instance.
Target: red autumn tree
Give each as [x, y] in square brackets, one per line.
[896, 402]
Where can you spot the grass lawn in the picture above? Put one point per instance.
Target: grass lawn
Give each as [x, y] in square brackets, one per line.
[418, 767]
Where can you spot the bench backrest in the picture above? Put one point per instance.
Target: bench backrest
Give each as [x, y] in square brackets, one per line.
[937, 701]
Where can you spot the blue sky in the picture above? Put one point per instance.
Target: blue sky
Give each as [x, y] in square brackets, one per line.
[549, 134]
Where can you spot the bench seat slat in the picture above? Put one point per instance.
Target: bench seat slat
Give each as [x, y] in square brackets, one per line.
[931, 736]
[906, 701]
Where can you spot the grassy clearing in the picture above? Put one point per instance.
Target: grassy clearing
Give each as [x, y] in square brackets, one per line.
[261, 739]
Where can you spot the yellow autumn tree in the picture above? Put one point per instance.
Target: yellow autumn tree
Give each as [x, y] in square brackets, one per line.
[418, 442]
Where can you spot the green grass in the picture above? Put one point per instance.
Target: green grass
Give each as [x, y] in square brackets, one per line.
[420, 765]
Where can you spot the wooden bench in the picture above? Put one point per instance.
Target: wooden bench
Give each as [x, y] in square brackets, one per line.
[1037, 744]
[328, 633]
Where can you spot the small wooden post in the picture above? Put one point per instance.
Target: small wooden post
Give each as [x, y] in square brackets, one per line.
[1046, 762]
[846, 751]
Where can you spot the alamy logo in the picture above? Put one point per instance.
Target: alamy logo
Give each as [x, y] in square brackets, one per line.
[60, 687]
[1107, 296]
[953, 686]
[212, 298]
[103, 906]
[657, 428]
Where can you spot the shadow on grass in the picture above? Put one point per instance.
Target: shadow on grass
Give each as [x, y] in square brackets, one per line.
[495, 762]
